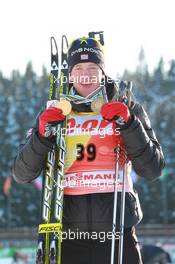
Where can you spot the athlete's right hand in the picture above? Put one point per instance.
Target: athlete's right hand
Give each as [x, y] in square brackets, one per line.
[48, 120]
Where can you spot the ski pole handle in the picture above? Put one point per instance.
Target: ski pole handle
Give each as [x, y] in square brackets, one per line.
[100, 34]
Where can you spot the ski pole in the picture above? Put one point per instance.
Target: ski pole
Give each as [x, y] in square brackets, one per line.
[115, 203]
[122, 211]
[122, 208]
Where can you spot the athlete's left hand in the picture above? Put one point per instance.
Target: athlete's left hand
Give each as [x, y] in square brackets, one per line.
[116, 111]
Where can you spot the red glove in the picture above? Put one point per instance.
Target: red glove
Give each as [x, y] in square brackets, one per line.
[116, 111]
[49, 119]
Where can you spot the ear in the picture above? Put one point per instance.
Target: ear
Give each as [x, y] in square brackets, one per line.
[101, 75]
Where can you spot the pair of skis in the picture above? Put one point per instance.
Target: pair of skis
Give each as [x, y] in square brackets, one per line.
[50, 229]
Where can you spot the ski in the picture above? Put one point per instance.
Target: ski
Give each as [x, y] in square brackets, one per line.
[50, 228]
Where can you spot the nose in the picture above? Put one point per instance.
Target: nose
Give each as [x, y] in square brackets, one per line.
[85, 76]
[85, 72]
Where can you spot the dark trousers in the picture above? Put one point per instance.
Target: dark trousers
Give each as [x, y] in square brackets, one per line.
[94, 251]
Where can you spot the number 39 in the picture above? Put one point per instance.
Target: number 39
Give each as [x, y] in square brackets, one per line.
[90, 149]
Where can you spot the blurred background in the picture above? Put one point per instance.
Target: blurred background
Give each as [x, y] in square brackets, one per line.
[140, 46]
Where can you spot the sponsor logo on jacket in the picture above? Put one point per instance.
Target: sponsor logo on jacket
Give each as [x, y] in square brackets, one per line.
[94, 126]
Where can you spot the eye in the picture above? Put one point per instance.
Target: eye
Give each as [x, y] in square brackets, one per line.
[94, 68]
[77, 68]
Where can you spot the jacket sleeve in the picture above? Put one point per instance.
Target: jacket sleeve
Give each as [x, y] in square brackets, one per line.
[30, 158]
[142, 145]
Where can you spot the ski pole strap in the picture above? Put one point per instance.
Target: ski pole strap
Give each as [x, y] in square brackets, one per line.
[124, 93]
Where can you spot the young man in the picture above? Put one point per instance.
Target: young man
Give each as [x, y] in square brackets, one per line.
[90, 161]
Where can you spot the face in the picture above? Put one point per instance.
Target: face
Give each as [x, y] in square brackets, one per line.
[86, 77]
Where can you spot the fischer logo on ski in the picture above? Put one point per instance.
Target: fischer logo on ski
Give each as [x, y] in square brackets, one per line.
[46, 228]
[60, 175]
[48, 185]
